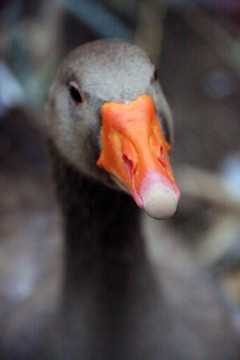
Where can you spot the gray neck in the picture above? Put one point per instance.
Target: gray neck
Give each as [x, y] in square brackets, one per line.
[115, 304]
[110, 291]
[101, 225]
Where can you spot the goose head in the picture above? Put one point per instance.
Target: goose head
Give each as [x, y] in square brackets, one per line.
[108, 118]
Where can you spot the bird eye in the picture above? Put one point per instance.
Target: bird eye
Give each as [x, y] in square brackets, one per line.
[155, 75]
[75, 93]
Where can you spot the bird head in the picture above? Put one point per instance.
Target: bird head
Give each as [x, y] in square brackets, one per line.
[109, 118]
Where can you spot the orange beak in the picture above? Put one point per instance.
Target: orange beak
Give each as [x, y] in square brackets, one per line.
[135, 154]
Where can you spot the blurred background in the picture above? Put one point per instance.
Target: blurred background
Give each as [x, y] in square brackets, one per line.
[195, 45]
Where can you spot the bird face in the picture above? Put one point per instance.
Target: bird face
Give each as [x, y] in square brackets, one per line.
[109, 118]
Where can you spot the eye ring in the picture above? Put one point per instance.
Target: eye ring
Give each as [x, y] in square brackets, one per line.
[75, 93]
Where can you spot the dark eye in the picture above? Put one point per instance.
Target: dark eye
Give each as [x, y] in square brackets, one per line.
[75, 93]
[155, 75]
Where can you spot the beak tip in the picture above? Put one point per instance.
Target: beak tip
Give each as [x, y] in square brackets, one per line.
[160, 201]
[159, 195]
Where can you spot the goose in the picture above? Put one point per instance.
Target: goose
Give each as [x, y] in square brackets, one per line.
[109, 134]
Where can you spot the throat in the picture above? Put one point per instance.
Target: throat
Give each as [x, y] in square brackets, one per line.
[109, 290]
[98, 221]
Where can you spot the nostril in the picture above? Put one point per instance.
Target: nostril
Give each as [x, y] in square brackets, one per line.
[161, 157]
[161, 151]
[127, 162]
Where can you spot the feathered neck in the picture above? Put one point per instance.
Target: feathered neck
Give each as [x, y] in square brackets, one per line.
[96, 218]
[99, 223]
